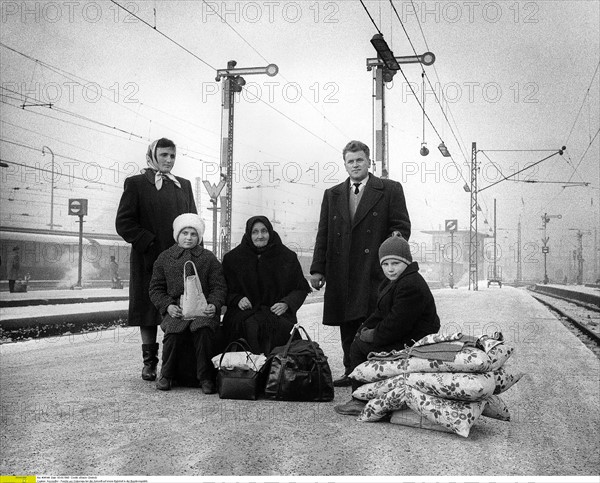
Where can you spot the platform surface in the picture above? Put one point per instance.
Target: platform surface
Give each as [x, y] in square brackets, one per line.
[76, 405]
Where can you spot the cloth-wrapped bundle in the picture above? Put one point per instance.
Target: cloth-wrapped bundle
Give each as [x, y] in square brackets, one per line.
[449, 394]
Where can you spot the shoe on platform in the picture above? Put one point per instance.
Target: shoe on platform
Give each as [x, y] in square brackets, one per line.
[352, 408]
[343, 381]
[150, 356]
[208, 387]
[164, 383]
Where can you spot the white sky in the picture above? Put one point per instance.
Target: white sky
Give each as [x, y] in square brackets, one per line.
[515, 76]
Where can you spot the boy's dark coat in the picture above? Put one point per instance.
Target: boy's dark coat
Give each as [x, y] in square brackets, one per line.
[405, 311]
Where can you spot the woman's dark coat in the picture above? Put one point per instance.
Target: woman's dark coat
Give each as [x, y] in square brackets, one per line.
[145, 219]
[166, 286]
[405, 311]
[347, 253]
[267, 277]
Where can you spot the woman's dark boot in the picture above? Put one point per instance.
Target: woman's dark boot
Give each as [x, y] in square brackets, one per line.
[150, 355]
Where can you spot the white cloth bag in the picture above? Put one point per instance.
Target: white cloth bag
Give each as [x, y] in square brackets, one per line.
[192, 302]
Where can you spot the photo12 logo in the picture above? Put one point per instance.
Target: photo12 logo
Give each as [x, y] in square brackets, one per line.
[271, 12]
[70, 91]
[272, 91]
[470, 12]
[70, 12]
[474, 91]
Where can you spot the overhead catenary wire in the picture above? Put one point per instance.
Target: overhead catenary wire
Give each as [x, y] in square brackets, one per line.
[79, 80]
[459, 143]
[88, 119]
[372, 21]
[266, 60]
[587, 93]
[213, 68]
[164, 35]
[517, 172]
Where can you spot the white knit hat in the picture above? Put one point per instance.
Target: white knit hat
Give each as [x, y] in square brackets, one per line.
[185, 220]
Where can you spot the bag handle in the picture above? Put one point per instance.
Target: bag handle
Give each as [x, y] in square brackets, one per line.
[243, 343]
[195, 272]
[297, 327]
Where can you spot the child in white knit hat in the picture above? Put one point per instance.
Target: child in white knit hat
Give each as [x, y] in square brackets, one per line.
[166, 288]
[405, 312]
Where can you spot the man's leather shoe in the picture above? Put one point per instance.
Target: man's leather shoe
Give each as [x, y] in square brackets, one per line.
[163, 383]
[352, 408]
[208, 387]
[343, 381]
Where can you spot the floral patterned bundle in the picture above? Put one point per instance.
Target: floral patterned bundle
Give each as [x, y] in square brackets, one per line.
[505, 378]
[458, 416]
[378, 389]
[377, 408]
[469, 359]
[496, 408]
[460, 386]
[442, 395]
[407, 417]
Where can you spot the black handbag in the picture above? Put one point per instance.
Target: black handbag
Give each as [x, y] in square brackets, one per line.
[299, 371]
[236, 382]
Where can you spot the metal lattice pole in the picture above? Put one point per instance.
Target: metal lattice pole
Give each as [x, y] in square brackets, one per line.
[473, 221]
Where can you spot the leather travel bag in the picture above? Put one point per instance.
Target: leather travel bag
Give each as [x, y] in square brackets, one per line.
[245, 382]
[299, 371]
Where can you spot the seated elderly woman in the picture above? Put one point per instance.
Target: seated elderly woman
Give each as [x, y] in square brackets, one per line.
[265, 286]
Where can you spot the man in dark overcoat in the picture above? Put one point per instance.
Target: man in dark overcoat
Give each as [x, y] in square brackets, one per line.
[356, 217]
[149, 204]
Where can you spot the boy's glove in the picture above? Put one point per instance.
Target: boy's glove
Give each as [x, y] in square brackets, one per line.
[366, 335]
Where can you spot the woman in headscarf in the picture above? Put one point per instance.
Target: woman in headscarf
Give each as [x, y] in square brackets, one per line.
[265, 286]
[149, 204]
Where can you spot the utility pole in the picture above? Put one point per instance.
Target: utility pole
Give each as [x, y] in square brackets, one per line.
[578, 255]
[385, 67]
[596, 272]
[473, 248]
[232, 83]
[51, 186]
[451, 226]
[519, 267]
[545, 248]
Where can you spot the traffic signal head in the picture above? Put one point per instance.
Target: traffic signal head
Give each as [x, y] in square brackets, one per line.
[388, 74]
[237, 83]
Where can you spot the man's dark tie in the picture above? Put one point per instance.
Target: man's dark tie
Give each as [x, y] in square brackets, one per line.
[356, 190]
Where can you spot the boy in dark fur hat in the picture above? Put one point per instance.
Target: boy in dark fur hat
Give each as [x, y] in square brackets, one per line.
[405, 312]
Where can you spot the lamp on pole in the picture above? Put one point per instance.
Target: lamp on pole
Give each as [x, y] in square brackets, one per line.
[51, 187]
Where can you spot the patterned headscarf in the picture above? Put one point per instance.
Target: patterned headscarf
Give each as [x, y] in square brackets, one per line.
[153, 165]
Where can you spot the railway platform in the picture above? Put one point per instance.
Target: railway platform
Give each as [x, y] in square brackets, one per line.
[582, 293]
[76, 405]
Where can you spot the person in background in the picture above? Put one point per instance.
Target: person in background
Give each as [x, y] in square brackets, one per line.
[166, 288]
[405, 313]
[356, 217]
[14, 268]
[114, 273]
[266, 287]
[150, 203]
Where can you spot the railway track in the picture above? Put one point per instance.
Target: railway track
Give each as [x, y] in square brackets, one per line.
[581, 318]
